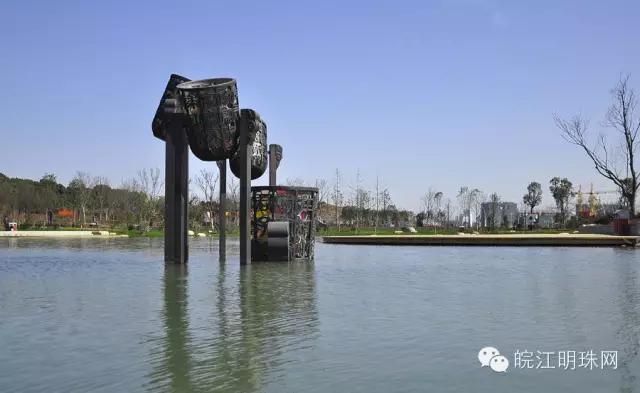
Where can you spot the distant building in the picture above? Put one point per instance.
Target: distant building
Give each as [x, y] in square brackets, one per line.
[498, 215]
[601, 210]
[542, 220]
[546, 220]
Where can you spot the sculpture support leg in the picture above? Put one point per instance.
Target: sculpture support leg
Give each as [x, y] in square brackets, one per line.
[245, 190]
[272, 165]
[176, 197]
[222, 210]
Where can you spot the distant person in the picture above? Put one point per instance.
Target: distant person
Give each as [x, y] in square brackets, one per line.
[5, 222]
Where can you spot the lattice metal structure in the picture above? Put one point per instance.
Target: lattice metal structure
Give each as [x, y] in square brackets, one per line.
[213, 111]
[295, 205]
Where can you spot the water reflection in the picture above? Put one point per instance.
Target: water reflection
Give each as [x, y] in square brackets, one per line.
[259, 315]
[105, 243]
[629, 332]
[178, 361]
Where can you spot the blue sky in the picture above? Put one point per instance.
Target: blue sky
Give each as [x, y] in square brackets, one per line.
[419, 93]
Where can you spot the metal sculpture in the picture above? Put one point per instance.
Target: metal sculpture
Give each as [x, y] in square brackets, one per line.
[294, 205]
[169, 125]
[222, 211]
[278, 245]
[257, 148]
[275, 156]
[205, 116]
[212, 108]
[247, 116]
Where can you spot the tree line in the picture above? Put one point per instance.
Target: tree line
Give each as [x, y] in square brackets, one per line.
[91, 201]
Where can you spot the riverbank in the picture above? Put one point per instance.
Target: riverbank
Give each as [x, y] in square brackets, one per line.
[572, 240]
[63, 234]
[75, 232]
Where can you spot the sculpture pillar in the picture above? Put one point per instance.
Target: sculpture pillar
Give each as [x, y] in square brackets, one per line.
[169, 125]
[176, 196]
[272, 165]
[245, 187]
[275, 156]
[222, 211]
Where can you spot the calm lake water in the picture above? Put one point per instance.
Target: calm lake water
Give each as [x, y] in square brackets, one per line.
[106, 315]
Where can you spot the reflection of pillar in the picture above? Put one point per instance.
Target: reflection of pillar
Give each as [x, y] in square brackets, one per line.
[628, 334]
[222, 210]
[176, 196]
[245, 186]
[177, 357]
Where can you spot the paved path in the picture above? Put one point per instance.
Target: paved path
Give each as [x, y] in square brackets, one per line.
[579, 240]
[55, 233]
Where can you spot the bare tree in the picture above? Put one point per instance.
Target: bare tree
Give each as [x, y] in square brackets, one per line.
[385, 201]
[132, 201]
[337, 196]
[469, 200]
[447, 212]
[321, 185]
[233, 198]
[80, 187]
[363, 205]
[234, 190]
[323, 191]
[615, 164]
[100, 194]
[357, 198]
[207, 182]
[464, 200]
[150, 185]
[478, 198]
[432, 206]
[427, 204]
[377, 203]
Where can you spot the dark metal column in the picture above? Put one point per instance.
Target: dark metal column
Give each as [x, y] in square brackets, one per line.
[245, 187]
[176, 196]
[272, 165]
[222, 210]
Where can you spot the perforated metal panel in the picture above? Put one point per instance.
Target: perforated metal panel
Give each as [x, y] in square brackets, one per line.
[295, 205]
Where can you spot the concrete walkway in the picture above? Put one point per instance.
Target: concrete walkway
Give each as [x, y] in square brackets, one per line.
[577, 240]
[64, 234]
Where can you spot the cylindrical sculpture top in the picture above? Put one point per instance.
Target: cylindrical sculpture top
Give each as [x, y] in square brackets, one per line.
[213, 112]
[257, 129]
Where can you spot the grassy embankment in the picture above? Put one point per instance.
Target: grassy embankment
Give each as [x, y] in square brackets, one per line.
[332, 231]
[160, 233]
[153, 233]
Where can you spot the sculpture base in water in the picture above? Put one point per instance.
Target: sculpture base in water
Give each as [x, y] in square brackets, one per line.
[295, 205]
